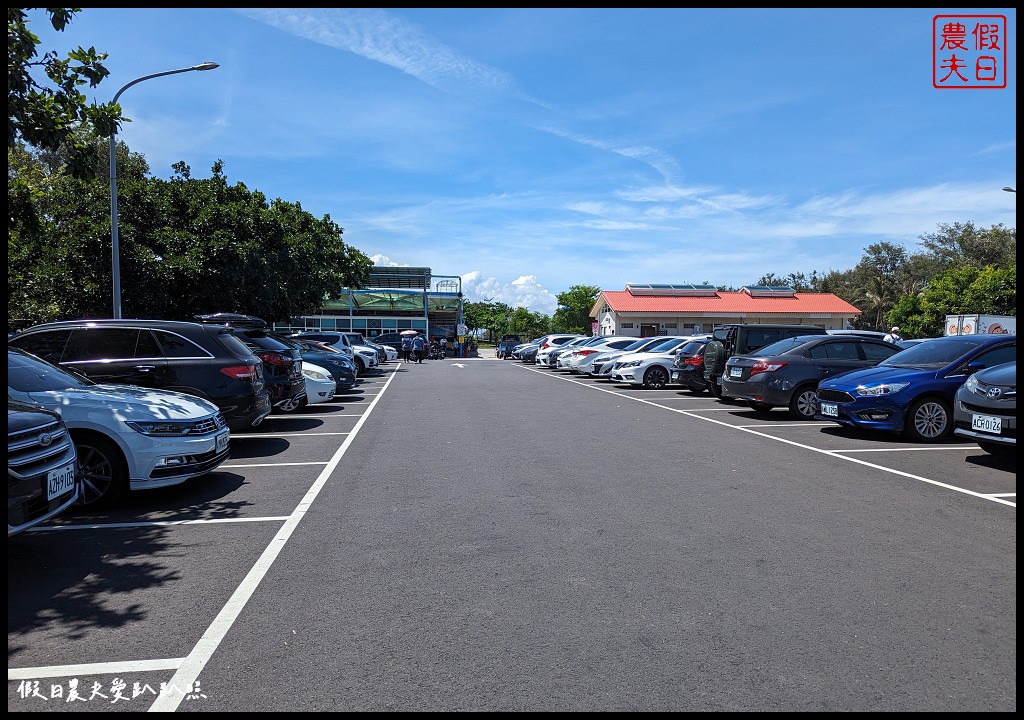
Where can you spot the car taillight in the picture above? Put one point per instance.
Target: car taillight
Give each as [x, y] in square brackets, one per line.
[763, 367]
[274, 358]
[240, 372]
[585, 352]
[695, 360]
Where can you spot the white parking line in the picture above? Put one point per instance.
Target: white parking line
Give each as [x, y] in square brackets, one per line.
[830, 453]
[128, 667]
[155, 523]
[909, 449]
[298, 433]
[768, 426]
[283, 464]
[189, 670]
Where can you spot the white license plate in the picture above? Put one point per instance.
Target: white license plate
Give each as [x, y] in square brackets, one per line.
[59, 481]
[735, 372]
[675, 376]
[987, 424]
[830, 409]
[222, 441]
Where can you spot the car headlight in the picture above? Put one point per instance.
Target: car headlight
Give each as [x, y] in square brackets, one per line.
[883, 389]
[972, 384]
[166, 428]
[631, 363]
[315, 374]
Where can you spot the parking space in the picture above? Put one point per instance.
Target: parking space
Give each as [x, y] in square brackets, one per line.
[134, 588]
[114, 604]
[951, 463]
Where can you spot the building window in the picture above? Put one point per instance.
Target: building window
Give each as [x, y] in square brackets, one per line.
[670, 325]
[627, 326]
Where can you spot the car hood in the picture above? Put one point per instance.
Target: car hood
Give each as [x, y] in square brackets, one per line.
[875, 376]
[128, 402]
[1005, 374]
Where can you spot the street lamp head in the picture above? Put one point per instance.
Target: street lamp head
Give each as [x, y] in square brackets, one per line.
[1009, 189]
[206, 66]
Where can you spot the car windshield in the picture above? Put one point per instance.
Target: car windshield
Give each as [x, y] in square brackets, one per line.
[780, 346]
[664, 346]
[933, 355]
[27, 373]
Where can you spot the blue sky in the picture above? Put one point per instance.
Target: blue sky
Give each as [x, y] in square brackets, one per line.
[530, 150]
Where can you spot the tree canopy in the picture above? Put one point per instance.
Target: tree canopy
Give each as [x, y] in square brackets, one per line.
[55, 116]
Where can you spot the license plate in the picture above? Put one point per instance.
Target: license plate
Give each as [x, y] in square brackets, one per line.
[735, 372]
[987, 424]
[830, 409]
[59, 481]
[222, 441]
[675, 376]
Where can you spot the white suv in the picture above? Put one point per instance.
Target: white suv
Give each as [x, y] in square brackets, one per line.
[127, 437]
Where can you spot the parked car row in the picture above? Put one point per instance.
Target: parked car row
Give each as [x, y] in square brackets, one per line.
[926, 391]
[141, 404]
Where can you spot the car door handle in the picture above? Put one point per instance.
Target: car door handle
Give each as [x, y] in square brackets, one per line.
[145, 368]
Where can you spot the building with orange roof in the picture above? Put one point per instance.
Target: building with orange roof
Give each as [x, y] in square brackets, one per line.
[646, 310]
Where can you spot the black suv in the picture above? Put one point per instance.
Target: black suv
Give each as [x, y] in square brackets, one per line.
[744, 339]
[202, 360]
[282, 361]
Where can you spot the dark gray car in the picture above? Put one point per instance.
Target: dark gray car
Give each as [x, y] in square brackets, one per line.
[985, 409]
[786, 373]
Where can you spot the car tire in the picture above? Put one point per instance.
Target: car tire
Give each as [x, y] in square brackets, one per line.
[103, 470]
[656, 378]
[360, 367]
[715, 389]
[928, 419]
[804, 402]
[759, 406]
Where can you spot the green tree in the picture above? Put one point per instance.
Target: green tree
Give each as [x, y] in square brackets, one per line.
[189, 246]
[961, 290]
[55, 115]
[958, 244]
[573, 313]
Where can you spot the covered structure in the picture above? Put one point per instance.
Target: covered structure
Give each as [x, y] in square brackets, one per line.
[394, 299]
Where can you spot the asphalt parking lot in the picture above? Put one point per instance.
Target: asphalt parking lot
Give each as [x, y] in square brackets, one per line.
[480, 534]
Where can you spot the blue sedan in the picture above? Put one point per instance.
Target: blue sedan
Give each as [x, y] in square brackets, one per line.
[912, 392]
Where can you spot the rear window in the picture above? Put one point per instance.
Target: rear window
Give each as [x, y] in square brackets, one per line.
[262, 341]
[49, 345]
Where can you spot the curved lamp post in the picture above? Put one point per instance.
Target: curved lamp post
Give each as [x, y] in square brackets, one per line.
[114, 249]
[1009, 189]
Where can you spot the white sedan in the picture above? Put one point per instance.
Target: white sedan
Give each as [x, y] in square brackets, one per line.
[320, 385]
[127, 437]
[651, 369]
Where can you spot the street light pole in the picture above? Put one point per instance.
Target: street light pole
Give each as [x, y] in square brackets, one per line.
[115, 254]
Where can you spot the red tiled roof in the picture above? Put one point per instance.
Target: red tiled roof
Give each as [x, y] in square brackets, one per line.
[622, 301]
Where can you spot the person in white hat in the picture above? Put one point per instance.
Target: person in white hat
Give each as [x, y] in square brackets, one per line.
[893, 336]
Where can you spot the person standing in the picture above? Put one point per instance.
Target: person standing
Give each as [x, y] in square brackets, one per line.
[418, 347]
[893, 336]
[407, 348]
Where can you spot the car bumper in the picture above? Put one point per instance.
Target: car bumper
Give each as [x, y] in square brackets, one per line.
[172, 461]
[245, 413]
[866, 414]
[754, 391]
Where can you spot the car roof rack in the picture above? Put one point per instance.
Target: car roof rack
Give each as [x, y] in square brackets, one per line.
[232, 320]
